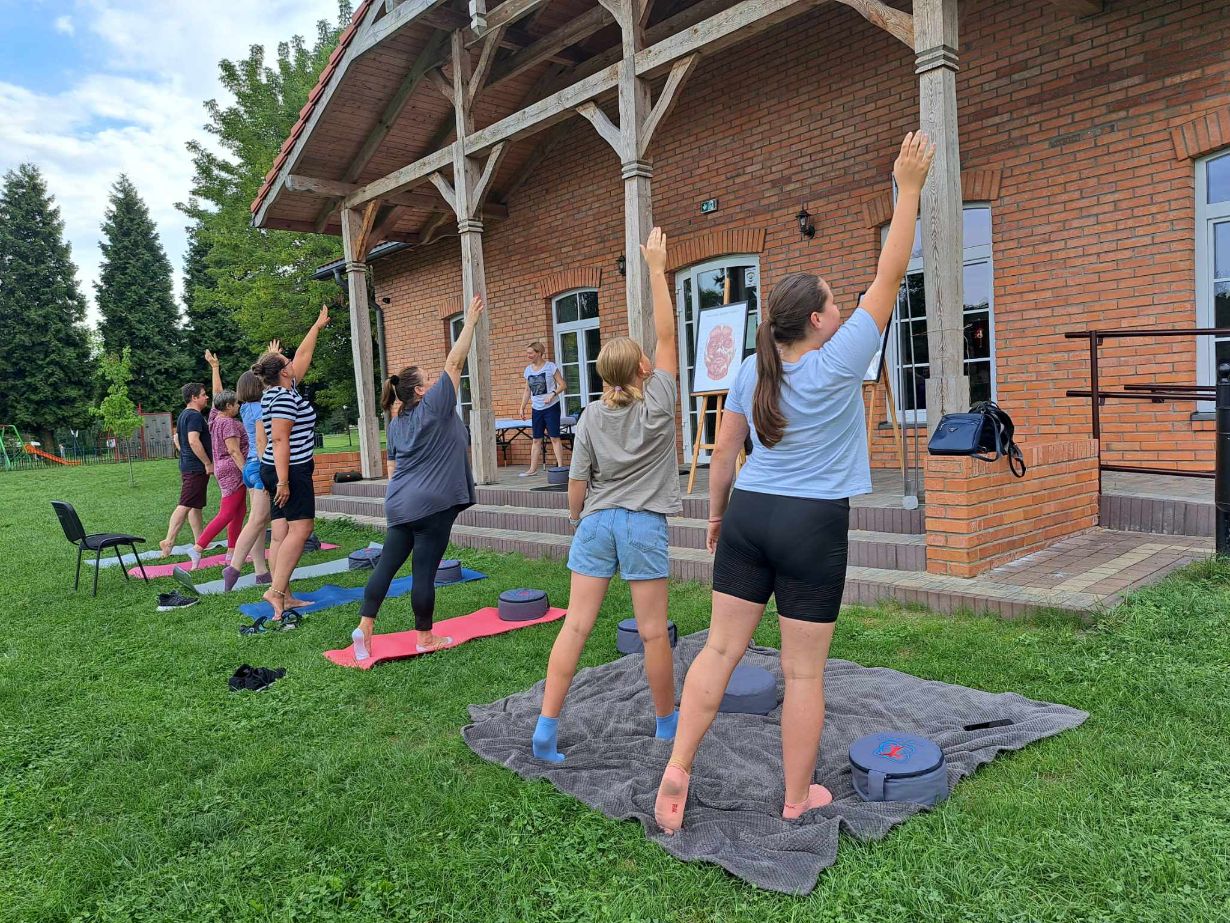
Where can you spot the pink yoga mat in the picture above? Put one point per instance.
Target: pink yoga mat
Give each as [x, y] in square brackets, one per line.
[401, 644]
[165, 570]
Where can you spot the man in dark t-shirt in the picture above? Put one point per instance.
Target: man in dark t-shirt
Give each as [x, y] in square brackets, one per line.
[195, 465]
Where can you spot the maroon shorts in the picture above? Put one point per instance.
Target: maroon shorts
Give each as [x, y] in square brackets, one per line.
[192, 489]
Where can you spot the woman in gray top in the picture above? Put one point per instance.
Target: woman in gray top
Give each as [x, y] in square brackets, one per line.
[430, 484]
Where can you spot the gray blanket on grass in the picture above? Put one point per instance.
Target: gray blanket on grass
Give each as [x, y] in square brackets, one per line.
[733, 815]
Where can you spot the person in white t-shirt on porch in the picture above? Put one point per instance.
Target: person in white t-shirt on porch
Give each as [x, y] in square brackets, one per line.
[543, 386]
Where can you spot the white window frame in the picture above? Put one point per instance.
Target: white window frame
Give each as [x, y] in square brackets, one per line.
[1207, 216]
[687, 402]
[971, 256]
[455, 322]
[579, 327]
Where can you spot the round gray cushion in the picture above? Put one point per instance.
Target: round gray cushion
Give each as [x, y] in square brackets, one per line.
[628, 640]
[557, 475]
[523, 605]
[751, 691]
[363, 559]
[449, 571]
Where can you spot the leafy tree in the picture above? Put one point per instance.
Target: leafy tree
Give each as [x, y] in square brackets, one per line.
[119, 414]
[46, 370]
[263, 278]
[136, 299]
[210, 323]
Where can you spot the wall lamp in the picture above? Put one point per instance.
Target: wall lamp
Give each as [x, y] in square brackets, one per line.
[806, 227]
[621, 263]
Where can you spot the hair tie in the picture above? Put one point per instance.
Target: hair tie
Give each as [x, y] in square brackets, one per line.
[618, 388]
[394, 380]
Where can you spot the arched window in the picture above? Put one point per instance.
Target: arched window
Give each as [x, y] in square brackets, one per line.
[464, 400]
[1213, 259]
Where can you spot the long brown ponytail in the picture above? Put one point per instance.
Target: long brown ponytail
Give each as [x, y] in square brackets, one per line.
[792, 302]
[401, 387]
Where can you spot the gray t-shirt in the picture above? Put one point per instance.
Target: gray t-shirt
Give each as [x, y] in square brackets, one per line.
[428, 446]
[628, 454]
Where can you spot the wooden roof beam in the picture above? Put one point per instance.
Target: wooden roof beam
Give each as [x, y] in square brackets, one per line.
[729, 26]
[896, 23]
[552, 45]
[297, 182]
[393, 22]
[1079, 7]
[503, 15]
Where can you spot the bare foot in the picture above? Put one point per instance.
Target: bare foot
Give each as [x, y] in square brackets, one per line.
[165, 547]
[817, 797]
[293, 603]
[672, 797]
[432, 643]
[277, 599]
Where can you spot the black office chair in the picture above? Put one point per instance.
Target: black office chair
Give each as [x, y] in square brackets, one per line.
[97, 543]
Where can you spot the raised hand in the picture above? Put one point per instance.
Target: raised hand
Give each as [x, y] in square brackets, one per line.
[322, 319]
[211, 359]
[654, 251]
[914, 162]
[275, 346]
[477, 306]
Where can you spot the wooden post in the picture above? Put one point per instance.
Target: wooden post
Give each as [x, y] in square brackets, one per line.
[354, 232]
[471, 180]
[935, 29]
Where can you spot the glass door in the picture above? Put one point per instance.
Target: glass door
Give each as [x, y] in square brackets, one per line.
[727, 280]
[577, 341]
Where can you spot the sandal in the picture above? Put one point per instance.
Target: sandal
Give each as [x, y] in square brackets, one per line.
[257, 627]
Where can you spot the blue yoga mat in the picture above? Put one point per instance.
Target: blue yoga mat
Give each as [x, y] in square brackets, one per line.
[331, 595]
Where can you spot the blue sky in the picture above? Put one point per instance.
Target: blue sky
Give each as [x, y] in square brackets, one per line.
[90, 89]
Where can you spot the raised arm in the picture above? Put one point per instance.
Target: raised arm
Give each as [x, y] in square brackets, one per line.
[213, 368]
[303, 355]
[461, 349]
[666, 355]
[910, 171]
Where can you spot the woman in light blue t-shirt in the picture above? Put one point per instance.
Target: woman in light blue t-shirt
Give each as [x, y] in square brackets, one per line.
[782, 532]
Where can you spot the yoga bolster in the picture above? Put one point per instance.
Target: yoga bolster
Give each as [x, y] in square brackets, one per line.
[751, 691]
[523, 605]
[628, 639]
[363, 559]
[557, 475]
[891, 766]
[449, 571]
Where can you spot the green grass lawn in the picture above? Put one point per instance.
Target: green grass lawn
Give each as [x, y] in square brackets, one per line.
[339, 442]
[134, 786]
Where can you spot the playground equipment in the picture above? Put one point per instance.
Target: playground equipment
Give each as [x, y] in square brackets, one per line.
[12, 447]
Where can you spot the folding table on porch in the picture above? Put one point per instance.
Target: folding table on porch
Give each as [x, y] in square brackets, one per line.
[507, 430]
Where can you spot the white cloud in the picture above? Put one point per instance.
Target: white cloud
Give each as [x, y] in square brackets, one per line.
[134, 111]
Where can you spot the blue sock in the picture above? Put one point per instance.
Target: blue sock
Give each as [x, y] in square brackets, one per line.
[667, 726]
[545, 747]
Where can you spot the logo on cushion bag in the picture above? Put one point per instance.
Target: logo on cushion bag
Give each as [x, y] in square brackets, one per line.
[900, 750]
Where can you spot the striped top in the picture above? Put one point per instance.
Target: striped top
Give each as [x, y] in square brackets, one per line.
[280, 403]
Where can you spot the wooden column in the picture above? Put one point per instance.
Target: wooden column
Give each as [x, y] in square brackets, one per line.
[630, 141]
[935, 45]
[356, 226]
[471, 181]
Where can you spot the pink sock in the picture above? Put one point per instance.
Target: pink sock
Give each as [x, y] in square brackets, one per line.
[817, 797]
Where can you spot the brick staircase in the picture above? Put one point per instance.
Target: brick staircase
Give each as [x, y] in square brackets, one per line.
[535, 523]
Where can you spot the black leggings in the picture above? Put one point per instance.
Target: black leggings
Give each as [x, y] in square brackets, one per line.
[788, 547]
[427, 538]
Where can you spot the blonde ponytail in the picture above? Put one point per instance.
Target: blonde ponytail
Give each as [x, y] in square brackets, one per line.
[619, 365]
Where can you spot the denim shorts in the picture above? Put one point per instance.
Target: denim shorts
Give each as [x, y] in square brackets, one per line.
[632, 541]
[252, 475]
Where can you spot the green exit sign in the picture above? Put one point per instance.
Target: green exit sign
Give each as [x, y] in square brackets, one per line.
[707, 206]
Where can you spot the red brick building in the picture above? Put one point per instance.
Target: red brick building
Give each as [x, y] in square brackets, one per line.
[1094, 176]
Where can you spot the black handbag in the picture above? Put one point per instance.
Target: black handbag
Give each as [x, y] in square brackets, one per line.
[985, 433]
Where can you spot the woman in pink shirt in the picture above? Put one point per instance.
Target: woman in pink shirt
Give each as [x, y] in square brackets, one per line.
[230, 444]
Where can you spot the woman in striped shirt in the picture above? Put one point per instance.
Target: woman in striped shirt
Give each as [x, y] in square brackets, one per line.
[289, 422]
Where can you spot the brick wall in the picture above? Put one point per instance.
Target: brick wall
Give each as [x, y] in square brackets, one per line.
[1075, 120]
[326, 465]
[980, 515]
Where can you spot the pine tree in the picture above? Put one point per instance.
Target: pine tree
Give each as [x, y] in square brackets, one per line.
[210, 323]
[137, 302]
[264, 278]
[46, 370]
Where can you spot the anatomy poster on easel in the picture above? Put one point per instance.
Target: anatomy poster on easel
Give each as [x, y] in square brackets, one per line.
[720, 333]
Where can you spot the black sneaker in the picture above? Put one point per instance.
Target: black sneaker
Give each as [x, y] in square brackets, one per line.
[170, 601]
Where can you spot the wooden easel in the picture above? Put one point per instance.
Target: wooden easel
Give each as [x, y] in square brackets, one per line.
[883, 383]
[716, 401]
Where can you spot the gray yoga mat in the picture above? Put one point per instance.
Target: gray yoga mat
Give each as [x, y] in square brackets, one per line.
[338, 566]
[733, 814]
[153, 555]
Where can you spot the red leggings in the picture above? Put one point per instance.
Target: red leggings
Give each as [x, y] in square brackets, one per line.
[230, 517]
